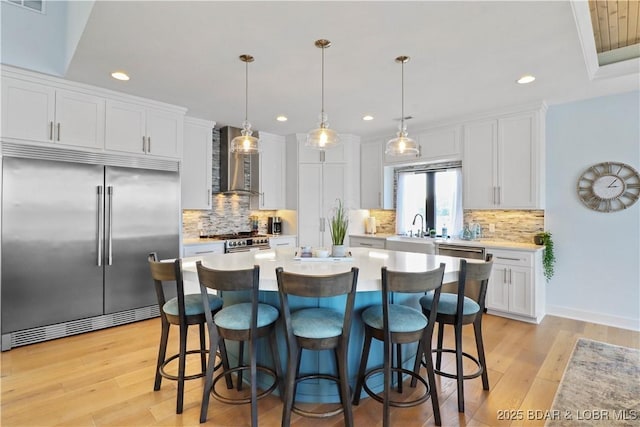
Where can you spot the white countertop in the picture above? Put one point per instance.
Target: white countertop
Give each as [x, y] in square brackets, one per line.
[369, 262]
[486, 243]
[207, 241]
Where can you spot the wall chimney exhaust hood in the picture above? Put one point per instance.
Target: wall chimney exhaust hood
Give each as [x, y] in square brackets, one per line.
[239, 173]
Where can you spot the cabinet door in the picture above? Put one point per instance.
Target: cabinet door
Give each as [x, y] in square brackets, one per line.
[164, 133]
[282, 242]
[520, 291]
[125, 127]
[479, 165]
[498, 289]
[196, 165]
[440, 144]
[517, 162]
[27, 110]
[310, 204]
[371, 185]
[195, 250]
[272, 171]
[333, 188]
[79, 119]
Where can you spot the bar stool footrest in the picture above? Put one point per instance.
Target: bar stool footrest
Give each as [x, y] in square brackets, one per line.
[476, 374]
[395, 403]
[243, 400]
[174, 357]
[310, 414]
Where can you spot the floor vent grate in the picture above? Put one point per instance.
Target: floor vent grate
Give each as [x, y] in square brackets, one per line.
[74, 327]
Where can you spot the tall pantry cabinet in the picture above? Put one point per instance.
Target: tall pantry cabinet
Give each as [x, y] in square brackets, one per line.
[317, 180]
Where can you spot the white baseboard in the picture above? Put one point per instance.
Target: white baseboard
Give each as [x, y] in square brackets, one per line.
[594, 317]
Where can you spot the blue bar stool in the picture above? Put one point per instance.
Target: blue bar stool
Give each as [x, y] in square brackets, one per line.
[459, 309]
[317, 328]
[243, 321]
[400, 324]
[183, 311]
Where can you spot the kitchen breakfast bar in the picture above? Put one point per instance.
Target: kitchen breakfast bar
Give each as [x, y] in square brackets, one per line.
[369, 262]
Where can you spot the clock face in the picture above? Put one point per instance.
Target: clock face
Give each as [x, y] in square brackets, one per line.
[609, 186]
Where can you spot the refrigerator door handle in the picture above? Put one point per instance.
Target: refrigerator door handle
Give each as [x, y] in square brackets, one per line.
[100, 224]
[110, 235]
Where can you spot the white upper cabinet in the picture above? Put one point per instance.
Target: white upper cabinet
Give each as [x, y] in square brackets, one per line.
[272, 173]
[439, 144]
[503, 163]
[371, 175]
[42, 113]
[37, 108]
[196, 170]
[138, 129]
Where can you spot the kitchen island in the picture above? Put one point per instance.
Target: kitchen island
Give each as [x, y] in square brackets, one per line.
[369, 262]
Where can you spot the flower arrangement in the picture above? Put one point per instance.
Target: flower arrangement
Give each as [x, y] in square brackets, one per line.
[338, 224]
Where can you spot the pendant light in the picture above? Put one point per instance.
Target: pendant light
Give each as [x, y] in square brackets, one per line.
[245, 143]
[402, 145]
[322, 137]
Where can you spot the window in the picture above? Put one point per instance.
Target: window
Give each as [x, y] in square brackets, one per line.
[37, 5]
[433, 192]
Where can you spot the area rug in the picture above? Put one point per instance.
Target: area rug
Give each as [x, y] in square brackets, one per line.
[600, 387]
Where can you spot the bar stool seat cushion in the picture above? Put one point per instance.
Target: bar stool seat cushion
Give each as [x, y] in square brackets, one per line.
[317, 323]
[401, 318]
[192, 304]
[238, 316]
[449, 302]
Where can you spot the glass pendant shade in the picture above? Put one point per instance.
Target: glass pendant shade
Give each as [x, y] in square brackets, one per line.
[322, 137]
[245, 143]
[402, 145]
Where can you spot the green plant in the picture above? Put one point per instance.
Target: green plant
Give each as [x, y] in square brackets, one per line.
[548, 257]
[338, 224]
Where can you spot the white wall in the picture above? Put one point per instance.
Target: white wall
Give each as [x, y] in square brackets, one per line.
[597, 274]
[47, 40]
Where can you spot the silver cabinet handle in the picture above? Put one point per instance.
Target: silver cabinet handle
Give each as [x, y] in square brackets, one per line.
[507, 258]
[208, 198]
[499, 195]
[100, 221]
[148, 144]
[110, 236]
[51, 131]
[510, 277]
[369, 245]
[144, 144]
[504, 280]
[58, 131]
[282, 244]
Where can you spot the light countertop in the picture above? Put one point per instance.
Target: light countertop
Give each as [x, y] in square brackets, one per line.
[486, 243]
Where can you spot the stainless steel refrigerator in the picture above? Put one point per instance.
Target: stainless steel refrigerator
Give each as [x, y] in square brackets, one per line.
[76, 231]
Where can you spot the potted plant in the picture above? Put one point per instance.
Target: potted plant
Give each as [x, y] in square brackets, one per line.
[548, 256]
[338, 225]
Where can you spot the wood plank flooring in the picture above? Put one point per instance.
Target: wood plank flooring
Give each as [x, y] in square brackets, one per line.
[105, 378]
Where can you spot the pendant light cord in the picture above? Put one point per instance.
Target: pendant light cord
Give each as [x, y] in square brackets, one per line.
[402, 97]
[322, 88]
[246, 91]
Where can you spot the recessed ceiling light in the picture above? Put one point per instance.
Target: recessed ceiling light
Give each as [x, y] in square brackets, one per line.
[282, 118]
[526, 79]
[367, 118]
[119, 75]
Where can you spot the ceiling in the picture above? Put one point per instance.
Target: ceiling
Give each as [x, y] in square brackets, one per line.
[465, 59]
[615, 23]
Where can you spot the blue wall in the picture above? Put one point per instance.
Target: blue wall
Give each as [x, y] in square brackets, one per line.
[597, 275]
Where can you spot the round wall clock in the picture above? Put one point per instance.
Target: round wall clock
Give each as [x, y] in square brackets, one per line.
[609, 186]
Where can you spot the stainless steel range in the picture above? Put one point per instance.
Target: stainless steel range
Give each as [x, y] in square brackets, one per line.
[242, 242]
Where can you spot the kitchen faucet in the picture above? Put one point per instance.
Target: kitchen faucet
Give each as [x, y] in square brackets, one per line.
[421, 224]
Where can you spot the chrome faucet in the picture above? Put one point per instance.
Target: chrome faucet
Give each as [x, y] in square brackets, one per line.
[421, 224]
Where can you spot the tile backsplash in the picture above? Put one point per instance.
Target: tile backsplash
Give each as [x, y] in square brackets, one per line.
[512, 225]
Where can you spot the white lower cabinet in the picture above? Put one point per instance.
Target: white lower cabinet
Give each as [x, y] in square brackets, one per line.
[203, 249]
[282, 242]
[366, 242]
[516, 287]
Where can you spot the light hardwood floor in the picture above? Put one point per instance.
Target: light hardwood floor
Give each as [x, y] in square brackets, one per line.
[105, 378]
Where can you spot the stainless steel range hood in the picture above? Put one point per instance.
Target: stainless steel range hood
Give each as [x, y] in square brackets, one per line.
[238, 172]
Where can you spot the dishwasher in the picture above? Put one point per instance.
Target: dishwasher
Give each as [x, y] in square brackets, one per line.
[473, 288]
[461, 251]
